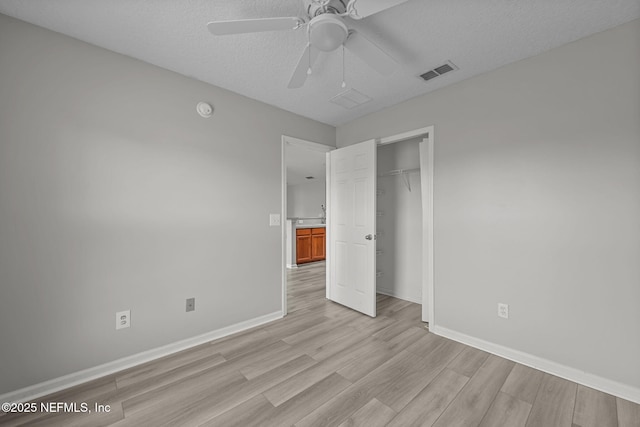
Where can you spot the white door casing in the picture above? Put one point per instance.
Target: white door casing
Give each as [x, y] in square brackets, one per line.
[352, 227]
[426, 177]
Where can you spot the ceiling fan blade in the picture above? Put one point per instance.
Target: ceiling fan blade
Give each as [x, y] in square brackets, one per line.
[371, 54]
[299, 75]
[359, 9]
[221, 28]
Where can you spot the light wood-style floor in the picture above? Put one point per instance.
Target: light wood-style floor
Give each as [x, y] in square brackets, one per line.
[326, 365]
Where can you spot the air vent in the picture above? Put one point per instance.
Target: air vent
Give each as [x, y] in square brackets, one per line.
[429, 75]
[443, 69]
[438, 71]
[350, 99]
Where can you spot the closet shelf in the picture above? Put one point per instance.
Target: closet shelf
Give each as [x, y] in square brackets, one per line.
[404, 173]
[399, 172]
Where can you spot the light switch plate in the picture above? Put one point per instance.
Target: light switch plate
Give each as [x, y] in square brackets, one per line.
[274, 220]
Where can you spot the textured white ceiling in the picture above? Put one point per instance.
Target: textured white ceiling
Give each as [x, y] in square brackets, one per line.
[477, 35]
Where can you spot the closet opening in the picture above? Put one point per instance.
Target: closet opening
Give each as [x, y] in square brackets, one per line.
[404, 201]
[399, 222]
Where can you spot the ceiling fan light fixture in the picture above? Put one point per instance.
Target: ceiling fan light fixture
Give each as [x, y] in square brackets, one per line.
[327, 32]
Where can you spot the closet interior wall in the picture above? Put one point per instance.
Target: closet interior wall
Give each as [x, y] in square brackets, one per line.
[399, 221]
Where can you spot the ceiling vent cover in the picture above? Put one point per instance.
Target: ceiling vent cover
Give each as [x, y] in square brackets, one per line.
[350, 99]
[438, 71]
[429, 75]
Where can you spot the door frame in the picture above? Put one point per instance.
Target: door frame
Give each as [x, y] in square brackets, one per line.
[310, 145]
[426, 181]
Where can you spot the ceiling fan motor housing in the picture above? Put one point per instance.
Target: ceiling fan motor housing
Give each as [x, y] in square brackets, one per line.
[319, 7]
[327, 32]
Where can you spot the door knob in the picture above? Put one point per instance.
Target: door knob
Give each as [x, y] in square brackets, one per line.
[369, 237]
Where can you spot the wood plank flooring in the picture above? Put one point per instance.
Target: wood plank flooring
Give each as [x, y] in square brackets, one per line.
[326, 365]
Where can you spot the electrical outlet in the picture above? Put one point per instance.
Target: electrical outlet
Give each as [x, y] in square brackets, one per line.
[274, 220]
[123, 319]
[503, 310]
[191, 304]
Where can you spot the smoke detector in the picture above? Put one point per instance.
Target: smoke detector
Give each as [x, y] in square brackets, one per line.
[204, 109]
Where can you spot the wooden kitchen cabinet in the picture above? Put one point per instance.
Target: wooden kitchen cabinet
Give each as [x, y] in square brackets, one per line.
[310, 245]
[303, 245]
[317, 244]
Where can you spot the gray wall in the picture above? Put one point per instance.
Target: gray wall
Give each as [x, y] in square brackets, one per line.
[537, 201]
[115, 194]
[304, 200]
[400, 226]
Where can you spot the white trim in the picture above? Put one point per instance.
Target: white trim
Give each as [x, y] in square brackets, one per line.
[309, 145]
[426, 164]
[605, 385]
[328, 234]
[401, 296]
[283, 223]
[404, 136]
[42, 389]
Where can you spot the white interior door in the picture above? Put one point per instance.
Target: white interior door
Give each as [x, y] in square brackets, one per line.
[352, 227]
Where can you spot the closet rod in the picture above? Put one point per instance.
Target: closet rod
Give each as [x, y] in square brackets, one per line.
[404, 173]
[399, 172]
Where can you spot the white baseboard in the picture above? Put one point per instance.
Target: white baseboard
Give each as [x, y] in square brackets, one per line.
[394, 294]
[615, 388]
[42, 389]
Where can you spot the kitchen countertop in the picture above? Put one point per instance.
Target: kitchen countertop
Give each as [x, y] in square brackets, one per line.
[311, 225]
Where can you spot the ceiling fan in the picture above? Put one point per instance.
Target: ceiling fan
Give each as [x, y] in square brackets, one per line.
[326, 32]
